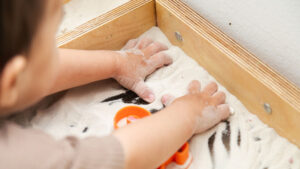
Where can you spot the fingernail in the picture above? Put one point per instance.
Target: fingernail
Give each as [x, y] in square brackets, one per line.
[150, 98]
[164, 99]
[167, 99]
[231, 111]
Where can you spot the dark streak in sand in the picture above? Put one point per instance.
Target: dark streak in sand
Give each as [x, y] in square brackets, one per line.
[127, 97]
[239, 138]
[257, 139]
[211, 142]
[226, 135]
[154, 110]
[85, 129]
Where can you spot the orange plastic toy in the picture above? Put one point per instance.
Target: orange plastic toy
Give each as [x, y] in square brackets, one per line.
[128, 113]
[180, 160]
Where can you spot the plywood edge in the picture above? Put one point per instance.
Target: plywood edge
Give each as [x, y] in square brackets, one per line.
[113, 29]
[243, 74]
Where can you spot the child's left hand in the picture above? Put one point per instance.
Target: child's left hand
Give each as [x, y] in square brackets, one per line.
[138, 59]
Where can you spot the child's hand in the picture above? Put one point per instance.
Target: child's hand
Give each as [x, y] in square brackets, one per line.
[139, 59]
[207, 106]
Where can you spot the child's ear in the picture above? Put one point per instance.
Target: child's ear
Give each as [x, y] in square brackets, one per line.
[8, 81]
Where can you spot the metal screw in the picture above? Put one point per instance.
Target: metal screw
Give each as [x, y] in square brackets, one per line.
[267, 108]
[178, 36]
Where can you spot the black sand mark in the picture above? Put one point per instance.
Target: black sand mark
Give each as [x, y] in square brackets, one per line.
[226, 136]
[239, 138]
[156, 110]
[257, 138]
[128, 97]
[85, 129]
[211, 142]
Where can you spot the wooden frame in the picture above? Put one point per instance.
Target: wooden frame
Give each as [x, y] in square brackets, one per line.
[245, 76]
[113, 29]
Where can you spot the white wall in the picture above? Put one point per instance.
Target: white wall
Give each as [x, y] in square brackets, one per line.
[270, 29]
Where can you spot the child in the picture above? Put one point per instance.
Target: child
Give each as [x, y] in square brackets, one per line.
[32, 67]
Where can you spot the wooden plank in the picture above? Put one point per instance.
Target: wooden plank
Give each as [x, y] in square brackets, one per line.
[113, 29]
[245, 76]
[66, 1]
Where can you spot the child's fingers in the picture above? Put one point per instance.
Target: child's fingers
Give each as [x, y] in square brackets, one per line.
[130, 44]
[144, 43]
[194, 87]
[158, 60]
[143, 91]
[154, 48]
[223, 111]
[167, 99]
[210, 89]
[219, 98]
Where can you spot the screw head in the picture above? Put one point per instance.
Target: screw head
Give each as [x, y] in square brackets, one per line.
[267, 108]
[178, 36]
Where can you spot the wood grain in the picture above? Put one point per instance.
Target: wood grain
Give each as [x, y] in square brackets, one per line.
[244, 75]
[113, 29]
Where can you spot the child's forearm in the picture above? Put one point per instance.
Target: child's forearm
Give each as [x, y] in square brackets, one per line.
[78, 67]
[151, 141]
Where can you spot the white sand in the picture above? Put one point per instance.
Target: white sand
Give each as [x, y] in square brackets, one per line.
[260, 147]
[78, 12]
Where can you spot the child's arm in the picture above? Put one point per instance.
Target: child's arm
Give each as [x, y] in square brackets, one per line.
[150, 141]
[129, 67]
[145, 144]
[78, 67]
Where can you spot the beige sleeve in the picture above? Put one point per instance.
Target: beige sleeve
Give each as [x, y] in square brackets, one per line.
[33, 149]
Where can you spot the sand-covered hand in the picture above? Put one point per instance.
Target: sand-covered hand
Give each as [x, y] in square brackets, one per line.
[138, 59]
[207, 106]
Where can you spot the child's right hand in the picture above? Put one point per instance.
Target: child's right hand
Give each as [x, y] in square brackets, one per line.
[173, 126]
[207, 107]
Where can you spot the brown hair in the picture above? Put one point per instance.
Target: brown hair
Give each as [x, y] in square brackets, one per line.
[19, 21]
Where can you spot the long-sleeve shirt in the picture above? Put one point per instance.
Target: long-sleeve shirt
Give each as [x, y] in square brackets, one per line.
[27, 148]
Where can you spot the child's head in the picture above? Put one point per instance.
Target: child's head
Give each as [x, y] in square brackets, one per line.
[27, 50]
